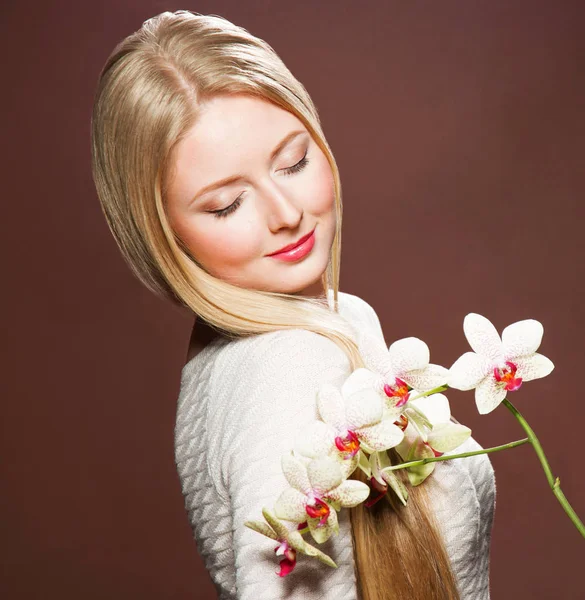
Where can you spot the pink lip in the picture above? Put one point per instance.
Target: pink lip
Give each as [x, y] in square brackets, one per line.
[297, 250]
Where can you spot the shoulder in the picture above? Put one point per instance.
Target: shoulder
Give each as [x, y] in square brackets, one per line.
[359, 311]
[281, 363]
[274, 350]
[284, 356]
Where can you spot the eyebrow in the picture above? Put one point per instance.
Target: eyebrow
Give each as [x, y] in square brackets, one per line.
[237, 177]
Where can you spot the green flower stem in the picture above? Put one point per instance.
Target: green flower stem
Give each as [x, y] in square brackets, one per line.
[554, 483]
[424, 461]
[436, 390]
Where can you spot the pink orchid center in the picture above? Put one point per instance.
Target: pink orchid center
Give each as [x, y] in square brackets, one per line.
[318, 510]
[402, 422]
[287, 564]
[507, 376]
[399, 391]
[349, 444]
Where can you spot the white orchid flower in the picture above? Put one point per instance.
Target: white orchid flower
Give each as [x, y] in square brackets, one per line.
[437, 436]
[290, 541]
[318, 489]
[497, 366]
[352, 421]
[405, 363]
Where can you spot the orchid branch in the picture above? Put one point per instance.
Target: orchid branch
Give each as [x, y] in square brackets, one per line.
[554, 483]
[424, 461]
[437, 390]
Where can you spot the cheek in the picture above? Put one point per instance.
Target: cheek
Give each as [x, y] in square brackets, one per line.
[322, 191]
[221, 246]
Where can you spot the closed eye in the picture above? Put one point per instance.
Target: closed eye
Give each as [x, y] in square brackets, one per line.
[298, 167]
[224, 212]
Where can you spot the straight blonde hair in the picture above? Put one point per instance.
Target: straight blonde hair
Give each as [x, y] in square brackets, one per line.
[147, 99]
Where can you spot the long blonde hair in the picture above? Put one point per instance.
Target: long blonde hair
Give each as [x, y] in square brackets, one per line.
[146, 101]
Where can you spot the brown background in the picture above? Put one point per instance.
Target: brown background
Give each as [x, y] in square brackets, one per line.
[459, 129]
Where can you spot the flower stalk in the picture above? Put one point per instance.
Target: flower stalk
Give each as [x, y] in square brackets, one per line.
[437, 390]
[554, 483]
[424, 461]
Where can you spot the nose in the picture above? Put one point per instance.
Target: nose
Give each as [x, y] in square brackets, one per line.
[281, 208]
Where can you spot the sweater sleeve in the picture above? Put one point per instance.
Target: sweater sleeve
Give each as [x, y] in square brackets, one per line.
[272, 402]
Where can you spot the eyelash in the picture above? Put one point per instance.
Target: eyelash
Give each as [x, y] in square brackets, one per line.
[224, 212]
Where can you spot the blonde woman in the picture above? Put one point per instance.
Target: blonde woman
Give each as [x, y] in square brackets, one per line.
[224, 197]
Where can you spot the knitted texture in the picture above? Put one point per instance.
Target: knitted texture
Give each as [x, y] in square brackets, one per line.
[242, 404]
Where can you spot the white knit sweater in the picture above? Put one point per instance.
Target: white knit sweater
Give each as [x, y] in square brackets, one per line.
[241, 406]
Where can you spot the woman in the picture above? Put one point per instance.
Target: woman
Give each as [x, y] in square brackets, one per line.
[210, 162]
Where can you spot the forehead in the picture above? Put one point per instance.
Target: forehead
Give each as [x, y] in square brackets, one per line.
[231, 126]
[232, 134]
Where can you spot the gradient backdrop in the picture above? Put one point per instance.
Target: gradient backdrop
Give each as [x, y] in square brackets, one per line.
[459, 130]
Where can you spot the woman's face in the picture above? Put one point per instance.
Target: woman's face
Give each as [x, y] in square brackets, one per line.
[284, 190]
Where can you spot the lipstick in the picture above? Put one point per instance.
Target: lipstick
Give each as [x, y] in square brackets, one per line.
[296, 251]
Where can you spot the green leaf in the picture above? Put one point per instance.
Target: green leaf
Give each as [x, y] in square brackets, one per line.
[279, 527]
[445, 437]
[418, 417]
[262, 528]
[312, 551]
[418, 451]
[364, 463]
[396, 484]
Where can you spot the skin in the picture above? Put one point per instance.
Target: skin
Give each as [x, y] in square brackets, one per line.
[236, 135]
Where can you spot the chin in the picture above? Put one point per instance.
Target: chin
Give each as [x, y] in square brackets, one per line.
[312, 281]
